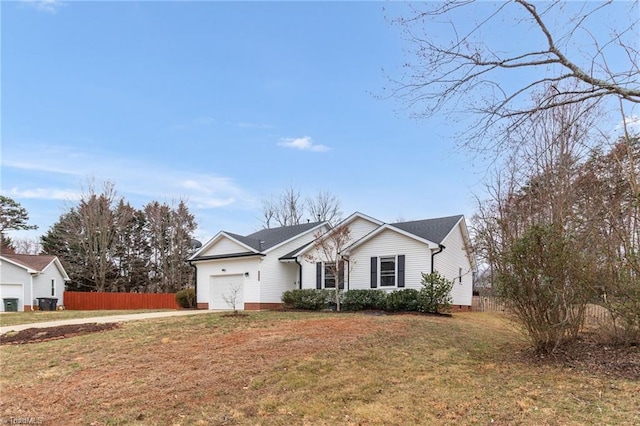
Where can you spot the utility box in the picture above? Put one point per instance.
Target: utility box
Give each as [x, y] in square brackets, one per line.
[10, 304]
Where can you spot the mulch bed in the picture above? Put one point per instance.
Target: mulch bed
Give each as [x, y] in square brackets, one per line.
[35, 335]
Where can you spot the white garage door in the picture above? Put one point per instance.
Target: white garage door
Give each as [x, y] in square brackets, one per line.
[225, 291]
[13, 291]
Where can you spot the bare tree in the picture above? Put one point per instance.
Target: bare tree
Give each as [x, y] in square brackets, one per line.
[531, 232]
[231, 299]
[564, 51]
[324, 207]
[268, 209]
[327, 249]
[289, 208]
[27, 246]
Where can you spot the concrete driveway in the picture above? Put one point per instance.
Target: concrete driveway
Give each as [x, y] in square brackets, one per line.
[101, 320]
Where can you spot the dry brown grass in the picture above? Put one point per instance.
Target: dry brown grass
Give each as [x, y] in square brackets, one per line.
[296, 368]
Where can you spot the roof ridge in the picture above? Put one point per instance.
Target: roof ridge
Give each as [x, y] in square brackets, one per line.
[424, 220]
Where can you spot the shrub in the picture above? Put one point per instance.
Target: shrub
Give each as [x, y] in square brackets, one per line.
[308, 299]
[402, 300]
[546, 283]
[435, 294]
[357, 300]
[186, 298]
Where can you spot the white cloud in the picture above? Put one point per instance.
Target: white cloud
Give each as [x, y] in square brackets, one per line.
[632, 123]
[45, 194]
[35, 166]
[304, 144]
[146, 181]
[48, 6]
[248, 125]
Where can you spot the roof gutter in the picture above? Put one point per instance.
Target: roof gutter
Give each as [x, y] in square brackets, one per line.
[433, 255]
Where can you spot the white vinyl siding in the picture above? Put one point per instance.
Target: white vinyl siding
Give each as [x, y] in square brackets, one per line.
[42, 285]
[361, 227]
[225, 246]
[453, 260]
[417, 259]
[280, 276]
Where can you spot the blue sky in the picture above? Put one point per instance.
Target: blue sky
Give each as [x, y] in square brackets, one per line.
[219, 103]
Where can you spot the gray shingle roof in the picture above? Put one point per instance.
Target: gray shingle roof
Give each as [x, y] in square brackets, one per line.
[430, 229]
[273, 236]
[36, 262]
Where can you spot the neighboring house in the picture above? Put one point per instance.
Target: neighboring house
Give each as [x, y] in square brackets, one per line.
[263, 265]
[28, 277]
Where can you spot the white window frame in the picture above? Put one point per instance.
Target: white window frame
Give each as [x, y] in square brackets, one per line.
[53, 287]
[336, 278]
[324, 276]
[395, 271]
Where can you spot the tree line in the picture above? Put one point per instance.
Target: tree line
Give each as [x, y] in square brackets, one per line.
[105, 244]
[560, 224]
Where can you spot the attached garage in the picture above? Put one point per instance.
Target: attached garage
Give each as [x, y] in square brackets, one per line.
[225, 290]
[11, 291]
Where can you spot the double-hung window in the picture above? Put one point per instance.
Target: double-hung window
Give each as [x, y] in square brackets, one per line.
[329, 276]
[388, 271]
[326, 275]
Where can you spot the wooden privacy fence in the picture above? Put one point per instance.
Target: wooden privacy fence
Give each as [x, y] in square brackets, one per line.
[594, 314]
[486, 304]
[77, 301]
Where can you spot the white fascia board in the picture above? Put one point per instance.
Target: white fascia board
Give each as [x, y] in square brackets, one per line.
[454, 227]
[305, 249]
[355, 215]
[467, 241]
[58, 264]
[217, 238]
[20, 265]
[384, 227]
[344, 222]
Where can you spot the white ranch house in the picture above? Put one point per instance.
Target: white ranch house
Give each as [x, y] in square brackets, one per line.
[29, 277]
[261, 266]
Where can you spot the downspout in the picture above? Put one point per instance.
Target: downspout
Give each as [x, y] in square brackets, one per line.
[348, 274]
[195, 281]
[31, 295]
[299, 273]
[433, 255]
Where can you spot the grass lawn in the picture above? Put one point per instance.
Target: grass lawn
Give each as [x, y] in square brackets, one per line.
[279, 368]
[15, 318]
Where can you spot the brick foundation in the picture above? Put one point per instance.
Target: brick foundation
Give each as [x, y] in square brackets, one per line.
[203, 305]
[261, 306]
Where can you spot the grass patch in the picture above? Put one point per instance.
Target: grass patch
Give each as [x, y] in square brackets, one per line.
[300, 368]
[16, 318]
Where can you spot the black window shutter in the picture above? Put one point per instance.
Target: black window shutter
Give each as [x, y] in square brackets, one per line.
[341, 274]
[319, 275]
[401, 270]
[374, 272]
